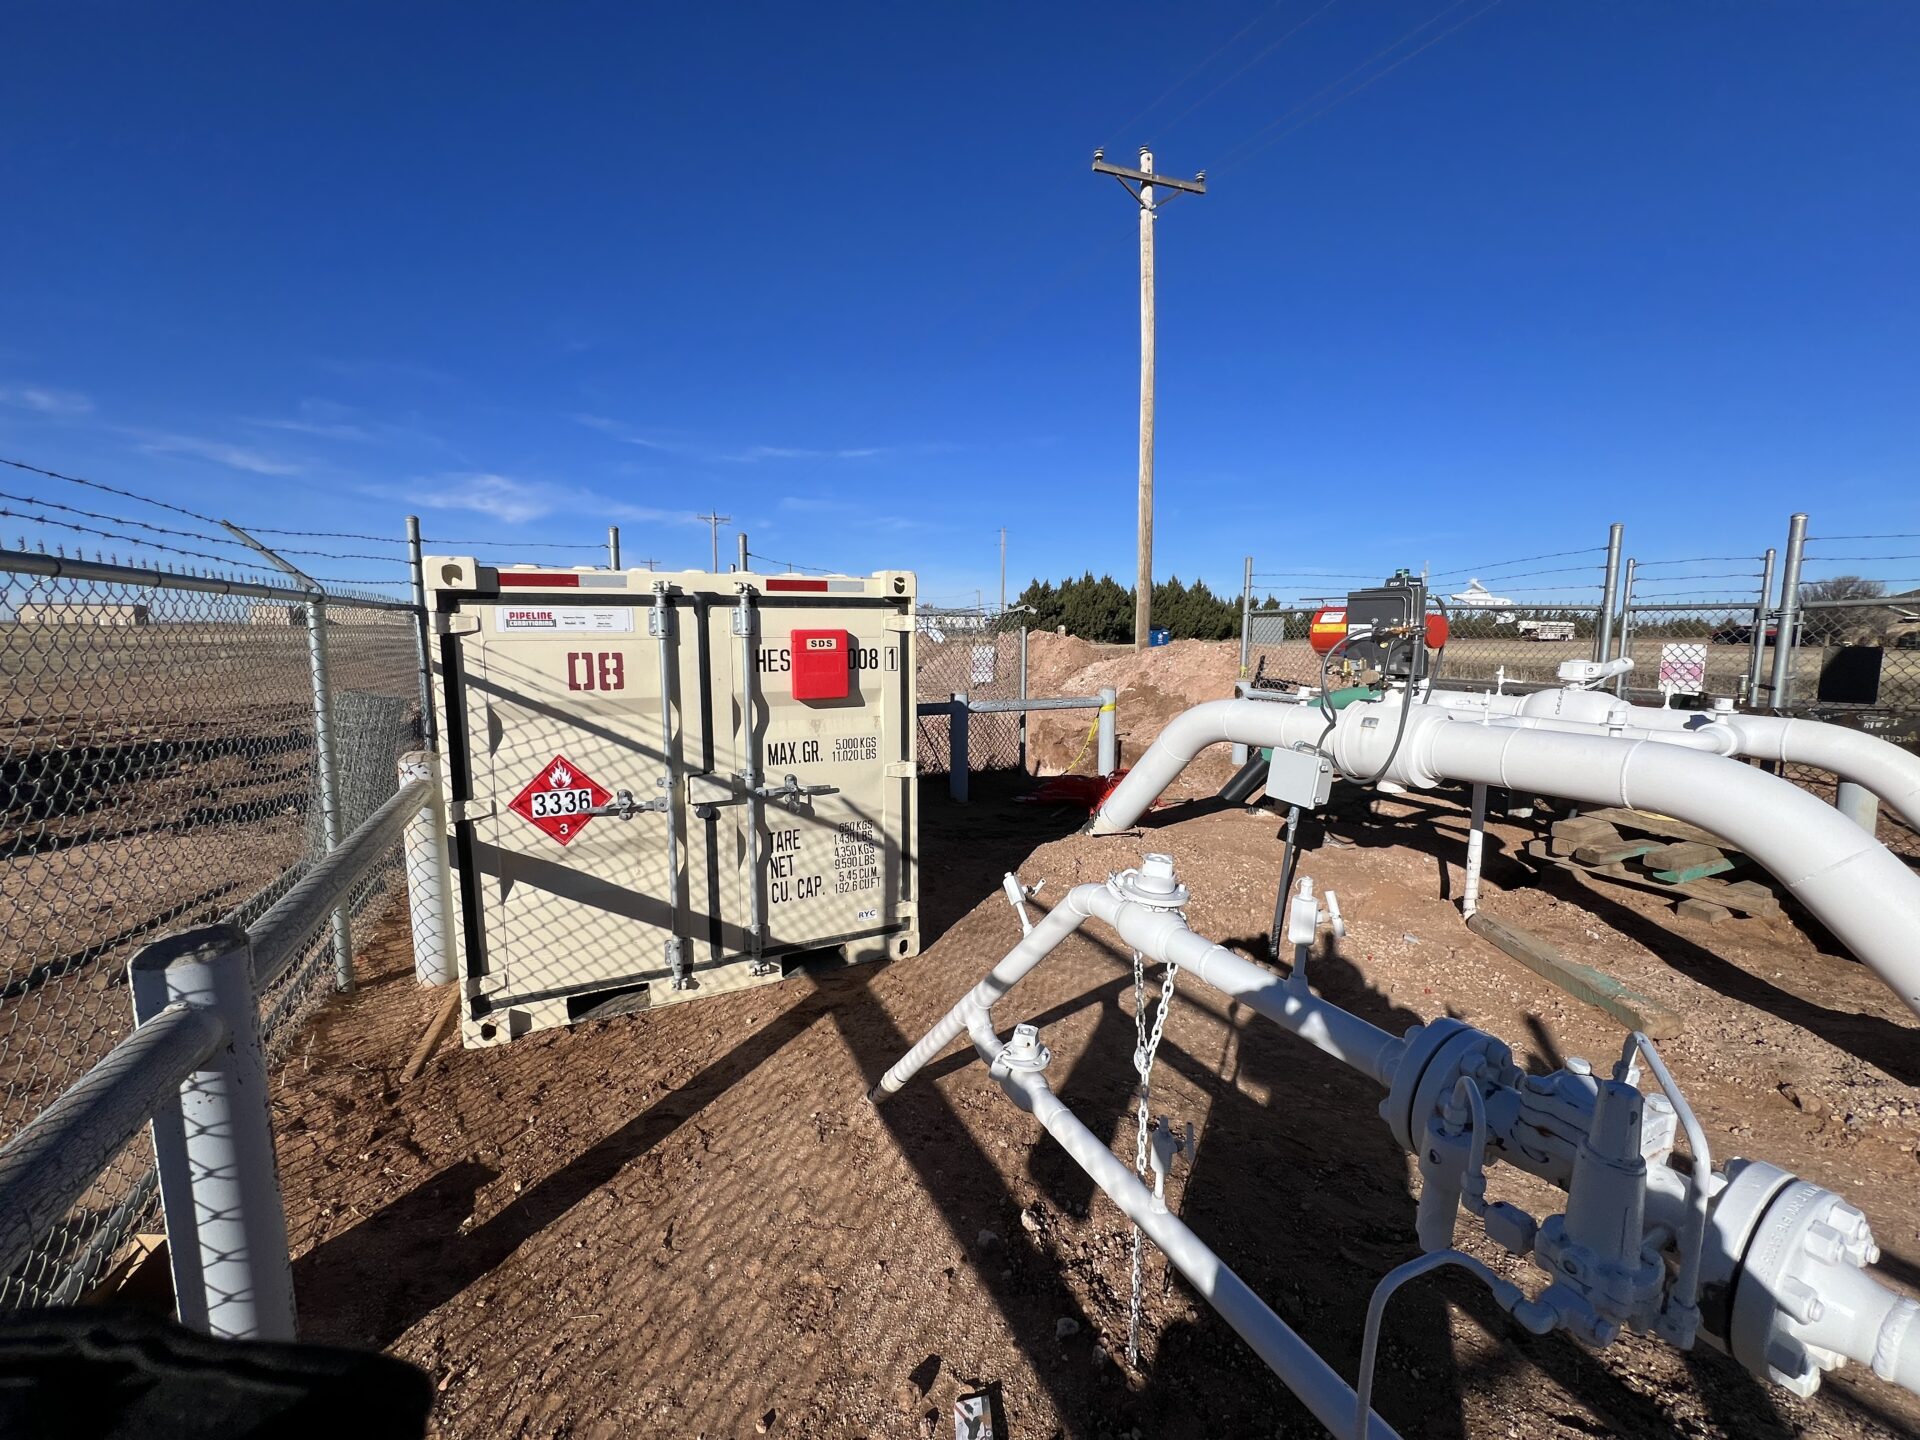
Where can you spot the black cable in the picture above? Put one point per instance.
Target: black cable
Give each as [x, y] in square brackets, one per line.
[1439, 655]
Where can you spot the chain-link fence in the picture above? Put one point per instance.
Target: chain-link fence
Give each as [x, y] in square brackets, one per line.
[1511, 621]
[159, 770]
[973, 653]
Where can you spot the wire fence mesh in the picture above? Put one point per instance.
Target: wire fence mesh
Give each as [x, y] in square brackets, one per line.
[973, 653]
[158, 771]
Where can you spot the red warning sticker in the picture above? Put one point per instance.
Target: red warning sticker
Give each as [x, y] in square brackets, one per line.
[558, 798]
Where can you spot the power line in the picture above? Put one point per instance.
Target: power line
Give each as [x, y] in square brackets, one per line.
[1249, 65]
[1257, 143]
[1119, 131]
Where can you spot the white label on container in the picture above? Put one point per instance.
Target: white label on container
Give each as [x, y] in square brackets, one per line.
[556, 619]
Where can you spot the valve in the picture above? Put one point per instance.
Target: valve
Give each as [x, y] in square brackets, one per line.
[1024, 1051]
[1585, 674]
[1153, 884]
[1166, 1143]
[1018, 895]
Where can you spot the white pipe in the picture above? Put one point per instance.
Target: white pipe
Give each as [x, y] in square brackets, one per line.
[1054, 927]
[1476, 847]
[1885, 769]
[1298, 1365]
[1163, 935]
[1853, 884]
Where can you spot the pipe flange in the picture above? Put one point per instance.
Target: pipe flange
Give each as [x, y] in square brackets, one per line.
[1153, 884]
[1024, 1052]
[1437, 1054]
[1785, 1236]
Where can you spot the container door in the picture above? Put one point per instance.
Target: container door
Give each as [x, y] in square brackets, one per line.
[829, 863]
[568, 720]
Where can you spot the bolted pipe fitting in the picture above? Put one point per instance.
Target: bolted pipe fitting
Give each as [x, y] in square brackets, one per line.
[1153, 884]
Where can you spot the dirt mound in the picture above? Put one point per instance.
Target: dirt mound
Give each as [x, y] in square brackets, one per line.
[1153, 686]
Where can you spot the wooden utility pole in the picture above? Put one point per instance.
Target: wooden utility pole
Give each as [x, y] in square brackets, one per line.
[715, 521]
[1003, 569]
[1141, 184]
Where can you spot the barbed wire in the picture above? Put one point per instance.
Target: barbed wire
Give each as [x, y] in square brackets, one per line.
[1494, 565]
[137, 540]
[1851, 559]
[1694, 560]
[111, 490]
[338, 554]
[788, 564]
[119, 519]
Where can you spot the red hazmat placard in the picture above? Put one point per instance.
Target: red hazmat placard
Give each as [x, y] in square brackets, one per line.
[558, 798]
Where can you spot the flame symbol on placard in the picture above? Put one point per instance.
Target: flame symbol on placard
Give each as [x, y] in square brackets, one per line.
[560, 777]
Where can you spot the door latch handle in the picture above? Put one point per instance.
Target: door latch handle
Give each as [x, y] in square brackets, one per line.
[624, 807]
[793, 794]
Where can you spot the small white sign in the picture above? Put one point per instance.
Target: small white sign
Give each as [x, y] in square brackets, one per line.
[566, 619]
[984, 658]
[1683, 669]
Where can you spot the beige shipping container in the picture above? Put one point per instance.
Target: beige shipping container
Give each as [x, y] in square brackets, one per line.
[605, 861]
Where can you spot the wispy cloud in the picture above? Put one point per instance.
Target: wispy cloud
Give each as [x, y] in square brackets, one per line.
[46, 400]
[862, 516]
[513, 501]
[376, 370]
[217, 452]
[711, 454]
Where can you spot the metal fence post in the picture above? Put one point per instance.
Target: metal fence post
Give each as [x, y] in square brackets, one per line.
[1859, 805]
[1787, 639]
[1626, 626]
[421, 640]
[327, 764]
[429, 880]
[959, 718]
[1109, 731]
[213, 1145]
[1023, 695]
[613, 547]
[1760, 627]
[1609, 595]
[1246, 612]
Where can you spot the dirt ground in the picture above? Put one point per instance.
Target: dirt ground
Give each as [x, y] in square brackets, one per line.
[690, 1223]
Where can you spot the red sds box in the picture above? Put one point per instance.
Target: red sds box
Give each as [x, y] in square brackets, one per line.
[820, 664]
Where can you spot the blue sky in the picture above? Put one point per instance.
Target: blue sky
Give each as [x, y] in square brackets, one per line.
[842, 272]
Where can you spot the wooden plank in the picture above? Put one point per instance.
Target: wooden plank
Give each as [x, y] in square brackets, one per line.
[1685, 861]
[1570, 835]
[1614, 854]
[1583, 982]
[1663, 825]
[1744, 897]
[1694, 908]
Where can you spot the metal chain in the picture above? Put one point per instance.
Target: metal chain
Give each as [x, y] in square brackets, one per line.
[1146, 1047]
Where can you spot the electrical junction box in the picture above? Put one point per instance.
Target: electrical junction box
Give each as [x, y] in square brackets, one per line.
[820, 664]
[655, 794]
[1298, 777]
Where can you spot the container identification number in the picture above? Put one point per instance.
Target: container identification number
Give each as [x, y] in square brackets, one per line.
[549, 803]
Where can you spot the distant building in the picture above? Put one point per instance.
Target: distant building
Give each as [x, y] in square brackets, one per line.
[80, 612]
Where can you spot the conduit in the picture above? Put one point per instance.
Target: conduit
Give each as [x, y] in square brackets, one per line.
[1856, 887]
